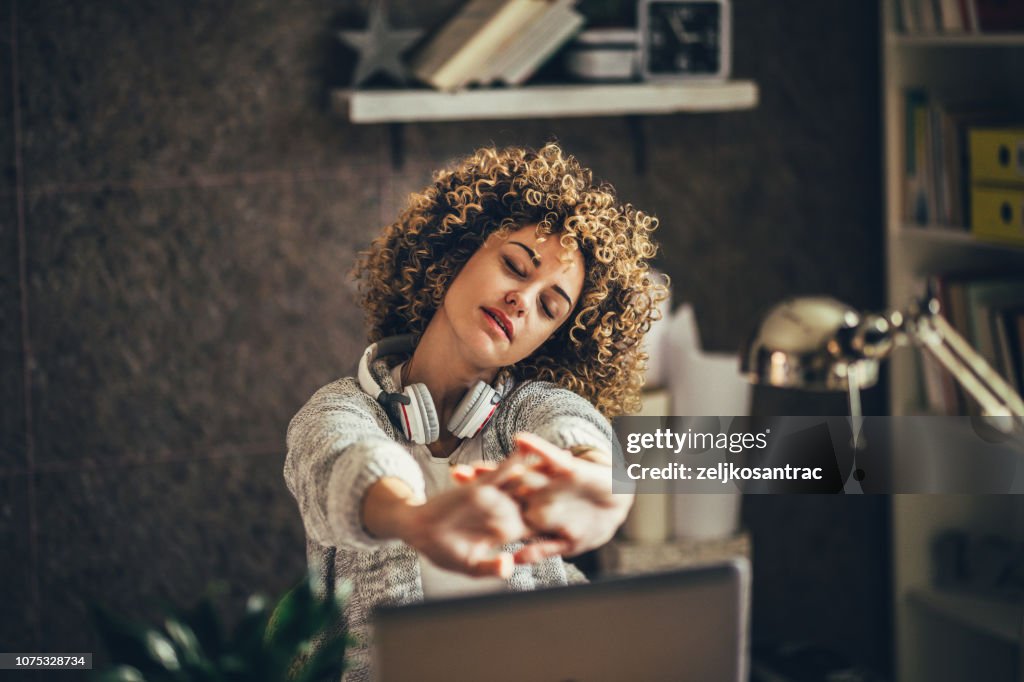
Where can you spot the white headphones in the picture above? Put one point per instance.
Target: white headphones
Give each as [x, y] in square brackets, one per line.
[412, 411]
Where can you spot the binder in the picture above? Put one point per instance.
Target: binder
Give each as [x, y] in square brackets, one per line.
[997, 155]
[996, 213]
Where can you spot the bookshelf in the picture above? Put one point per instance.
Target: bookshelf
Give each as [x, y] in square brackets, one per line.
[543, 101]
[941, 636]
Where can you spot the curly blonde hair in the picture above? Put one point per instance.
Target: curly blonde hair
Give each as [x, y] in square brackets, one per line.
[597, 353]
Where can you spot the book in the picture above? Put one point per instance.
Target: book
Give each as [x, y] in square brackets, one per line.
[996, 16]
[941, 158]
[915, 157]
[984, 307]
[972, 302]
[984, 297]
[938, 387]
[958, 120]
[899, 16]
[1008, 345]
[941, 390]
[533, 53]
[938, 170]
[951, 19]
[1016, 324]
[929, 20]
[911, 16]
[453, 57]
[533, 44]
[454, 34]
[972, 16]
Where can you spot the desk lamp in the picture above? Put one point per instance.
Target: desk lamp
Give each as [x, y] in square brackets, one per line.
[821, 344]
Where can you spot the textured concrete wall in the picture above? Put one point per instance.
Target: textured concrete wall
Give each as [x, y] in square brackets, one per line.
[179, 208]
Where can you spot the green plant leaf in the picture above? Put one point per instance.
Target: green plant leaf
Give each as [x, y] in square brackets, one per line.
[202, 620]
[120, 673]
[162, 650]
[129, 643]
[185, 640]
[248, 637]
[263, 648]
[329, 658]
[293, 618]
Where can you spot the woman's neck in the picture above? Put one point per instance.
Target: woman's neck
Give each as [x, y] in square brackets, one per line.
[446, 374]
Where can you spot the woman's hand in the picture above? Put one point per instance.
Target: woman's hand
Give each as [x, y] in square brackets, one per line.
[458, 530]
[569, 499]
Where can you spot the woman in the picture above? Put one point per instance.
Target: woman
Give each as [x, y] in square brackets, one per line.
[509, 301]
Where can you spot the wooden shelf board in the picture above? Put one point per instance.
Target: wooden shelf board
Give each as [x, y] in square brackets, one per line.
[544, 101]
[996, 619]
[950, 235]
[956, 40]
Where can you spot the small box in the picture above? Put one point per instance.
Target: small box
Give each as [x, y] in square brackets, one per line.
[996, 213]
[997, 155]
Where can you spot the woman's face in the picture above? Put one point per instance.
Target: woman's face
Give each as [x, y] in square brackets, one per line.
[511, 296]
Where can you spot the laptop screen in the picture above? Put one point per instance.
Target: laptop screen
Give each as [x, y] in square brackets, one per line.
[685, 625]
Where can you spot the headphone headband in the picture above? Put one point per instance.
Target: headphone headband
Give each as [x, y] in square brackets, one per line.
[391, 345]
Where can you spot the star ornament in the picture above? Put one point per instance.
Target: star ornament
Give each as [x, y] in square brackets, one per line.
[380, 47]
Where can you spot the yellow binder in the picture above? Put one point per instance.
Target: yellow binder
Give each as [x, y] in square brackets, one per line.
[997, 155]
[996, 214]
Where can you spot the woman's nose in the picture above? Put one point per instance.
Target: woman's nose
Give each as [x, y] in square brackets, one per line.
[513, 299]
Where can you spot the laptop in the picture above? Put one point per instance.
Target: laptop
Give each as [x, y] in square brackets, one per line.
[689, 624]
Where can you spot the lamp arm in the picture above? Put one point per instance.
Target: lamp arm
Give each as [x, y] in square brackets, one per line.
[996, 397]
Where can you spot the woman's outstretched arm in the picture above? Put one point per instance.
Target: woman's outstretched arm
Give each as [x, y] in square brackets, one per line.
[339, 445]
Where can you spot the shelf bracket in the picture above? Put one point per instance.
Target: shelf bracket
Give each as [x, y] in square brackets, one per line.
[396, 143]
[638, 136]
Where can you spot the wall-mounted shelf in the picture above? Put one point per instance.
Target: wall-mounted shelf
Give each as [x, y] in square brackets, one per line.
[544, 101]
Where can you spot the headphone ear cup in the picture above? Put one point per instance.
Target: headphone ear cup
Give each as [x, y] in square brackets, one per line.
[474, 410]
[422, 416]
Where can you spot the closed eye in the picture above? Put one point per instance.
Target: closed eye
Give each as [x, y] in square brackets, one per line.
[510, 264]
[547, 311]
[514, 268]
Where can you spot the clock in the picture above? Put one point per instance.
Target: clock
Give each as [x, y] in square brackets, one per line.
[684, 40]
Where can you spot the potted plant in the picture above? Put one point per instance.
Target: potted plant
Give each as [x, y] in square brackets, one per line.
[266, 646]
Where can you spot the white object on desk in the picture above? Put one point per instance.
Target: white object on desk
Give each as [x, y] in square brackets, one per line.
[648, 520]
[703, 384]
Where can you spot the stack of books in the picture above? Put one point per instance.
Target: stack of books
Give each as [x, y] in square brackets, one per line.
[988, 311]
[924, 17]
[490, 41]
[939, 168]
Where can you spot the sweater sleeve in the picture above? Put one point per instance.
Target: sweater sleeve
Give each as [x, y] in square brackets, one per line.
[561, 417]
[337, 448]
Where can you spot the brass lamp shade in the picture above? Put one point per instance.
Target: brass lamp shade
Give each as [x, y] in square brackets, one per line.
[811, 343]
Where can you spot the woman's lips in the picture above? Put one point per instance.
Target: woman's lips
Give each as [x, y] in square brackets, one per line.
[500, 322]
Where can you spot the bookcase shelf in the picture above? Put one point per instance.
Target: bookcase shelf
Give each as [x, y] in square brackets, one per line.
[941, 636]
[543, 101]
[942, 237]
[964, 40]
[999, 620]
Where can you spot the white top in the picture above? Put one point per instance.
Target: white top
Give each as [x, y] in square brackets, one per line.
[440, 583]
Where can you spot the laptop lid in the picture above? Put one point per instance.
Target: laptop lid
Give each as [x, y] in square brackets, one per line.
[684, 625]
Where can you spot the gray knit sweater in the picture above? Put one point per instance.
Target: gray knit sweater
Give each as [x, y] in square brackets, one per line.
[342, 441]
